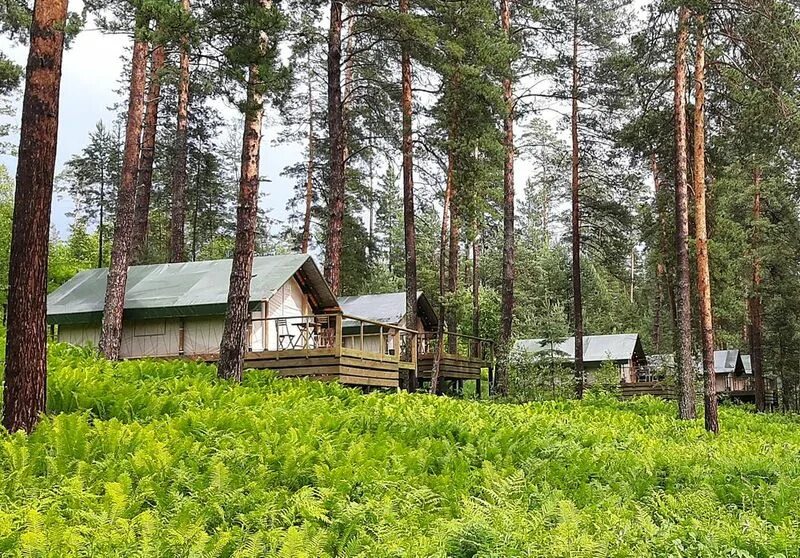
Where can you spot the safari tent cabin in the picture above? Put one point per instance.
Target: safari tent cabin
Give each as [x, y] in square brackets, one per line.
[623, 350]
[389, 308]
[741, 386]
[463, 358]
[178, 310]
[728, 369]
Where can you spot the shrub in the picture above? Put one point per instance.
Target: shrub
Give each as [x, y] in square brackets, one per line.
[147, 458]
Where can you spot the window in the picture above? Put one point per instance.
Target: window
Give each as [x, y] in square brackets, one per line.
[149, 328]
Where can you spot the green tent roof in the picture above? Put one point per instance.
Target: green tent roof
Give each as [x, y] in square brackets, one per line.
[596, 348]
[181, 289]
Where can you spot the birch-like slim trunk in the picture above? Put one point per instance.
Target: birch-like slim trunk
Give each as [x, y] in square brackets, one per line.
[448, 194]
[507, 280]
[754, 308]
[306, 237]
[577, 293]
[409, 226]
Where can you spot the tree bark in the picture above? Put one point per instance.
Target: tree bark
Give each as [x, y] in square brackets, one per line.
[754, 301]
[147, 157]
[577, 295]
[701, 234]
[507, 279]
[448, 194]
[452, 271]
[234, 336]
[686, 395]
[409, 226]
[111, 333]
[336, 133]
[177, 240]
[306, 238]
[25, 392]
[476, 289]
[663, 272]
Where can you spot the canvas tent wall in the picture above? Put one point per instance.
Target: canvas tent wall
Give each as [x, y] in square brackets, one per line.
[173, 309]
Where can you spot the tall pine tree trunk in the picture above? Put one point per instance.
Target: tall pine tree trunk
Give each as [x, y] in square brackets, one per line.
[701, 235]
[452, 271]
[686, 395]
[577, 295]
[147, 156]
[507, 287]
[448, 195]
[476, 290]
[25, 392]
[754, 301]
[177, 240]
[306, 238]
[409, 227]
[234, 336]
[111, 333]
[336, 133]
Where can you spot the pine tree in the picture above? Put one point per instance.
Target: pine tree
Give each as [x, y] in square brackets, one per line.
[701, 235]
[686, 395]
[111, 332]
[263, 24]
[25, 378]
[177, 248]
[147, 157]
[91, 178]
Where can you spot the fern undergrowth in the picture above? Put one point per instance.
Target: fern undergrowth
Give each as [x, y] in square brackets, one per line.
[160, 459]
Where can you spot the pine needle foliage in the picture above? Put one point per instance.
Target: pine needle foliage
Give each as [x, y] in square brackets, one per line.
[145, 458]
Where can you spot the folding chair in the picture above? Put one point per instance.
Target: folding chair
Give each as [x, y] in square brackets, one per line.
[285, 338]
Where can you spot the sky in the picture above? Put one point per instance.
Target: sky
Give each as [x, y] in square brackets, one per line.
[90, 78]
[90, 74]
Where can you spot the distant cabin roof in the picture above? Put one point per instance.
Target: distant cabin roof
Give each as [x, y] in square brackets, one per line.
[596, 348]
[388, 308]
[748, 366]
[726, 361]
[183, 289]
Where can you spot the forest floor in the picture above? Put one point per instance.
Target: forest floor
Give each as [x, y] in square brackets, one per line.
[161, 459]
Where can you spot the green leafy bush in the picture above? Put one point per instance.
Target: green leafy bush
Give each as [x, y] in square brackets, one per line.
[161, 459]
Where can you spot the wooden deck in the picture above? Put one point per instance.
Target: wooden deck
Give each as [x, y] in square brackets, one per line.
[313, 347]
[667, 391]
[464, 357]
[452, 367]
[638, 389]
[350, 367]
[322, 352]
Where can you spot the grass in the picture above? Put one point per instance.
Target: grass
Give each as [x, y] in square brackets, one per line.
[161, 459]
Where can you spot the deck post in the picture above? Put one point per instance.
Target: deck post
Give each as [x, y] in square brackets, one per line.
[478, 388]
[338, 340]
[181, 336]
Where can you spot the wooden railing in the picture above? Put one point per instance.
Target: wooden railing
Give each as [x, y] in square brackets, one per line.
[457, 344]
[294, 333]
[308, 333]
[373, 337]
